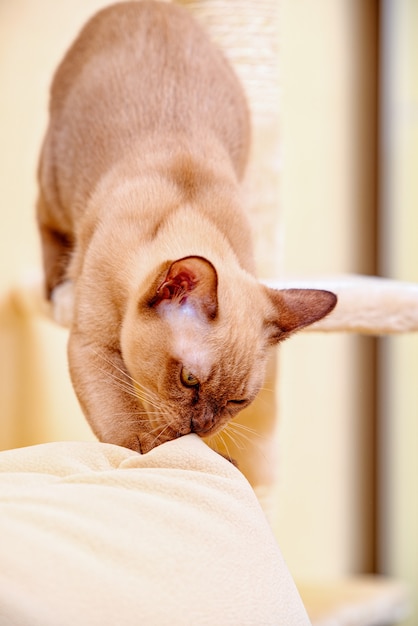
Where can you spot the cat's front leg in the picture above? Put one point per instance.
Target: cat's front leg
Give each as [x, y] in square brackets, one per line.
[107, 394]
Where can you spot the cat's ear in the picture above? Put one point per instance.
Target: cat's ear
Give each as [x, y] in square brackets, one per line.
[192, 280]
[295, 309]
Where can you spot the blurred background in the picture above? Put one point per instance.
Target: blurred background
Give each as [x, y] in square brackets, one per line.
[347, 500]
[350, 199]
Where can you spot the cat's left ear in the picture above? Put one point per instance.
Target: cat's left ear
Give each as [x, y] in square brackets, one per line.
[192, 280]
[295, 309]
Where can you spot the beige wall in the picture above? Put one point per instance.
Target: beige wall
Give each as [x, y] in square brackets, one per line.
[326, 387]
[34, 35]
[37, 402]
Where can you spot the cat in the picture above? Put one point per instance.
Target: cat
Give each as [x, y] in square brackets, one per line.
[147, 249]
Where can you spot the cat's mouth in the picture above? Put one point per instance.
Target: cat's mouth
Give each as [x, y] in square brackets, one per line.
[163, 433]
[194, 426]
[204, 432]
[208, 426]
[164, 427]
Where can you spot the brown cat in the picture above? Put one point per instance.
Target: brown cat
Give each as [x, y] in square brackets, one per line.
[143, 232]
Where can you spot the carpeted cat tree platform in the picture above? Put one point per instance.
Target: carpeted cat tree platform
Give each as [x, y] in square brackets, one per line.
[95, 534]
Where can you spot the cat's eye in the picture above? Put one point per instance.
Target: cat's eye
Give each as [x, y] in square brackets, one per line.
[238, 402]
[187, 378]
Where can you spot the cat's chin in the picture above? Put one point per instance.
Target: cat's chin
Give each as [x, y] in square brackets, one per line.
[145, 443]
[62, 299]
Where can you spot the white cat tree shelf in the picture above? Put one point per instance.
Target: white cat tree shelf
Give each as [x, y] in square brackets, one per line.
[366, 304]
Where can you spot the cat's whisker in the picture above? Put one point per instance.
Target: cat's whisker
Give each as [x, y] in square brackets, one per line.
[235, 439]
[158, 433]
[161, 433]
[237, 426]
[123, 379]
[128, 384]
[136, 416]
[118, 382]
[142, 393]
[224, 444]
[269, 389]
[126, 377]
[155, 404]
[248, 436]
[158, 429]
[245, 439]
[127, 388]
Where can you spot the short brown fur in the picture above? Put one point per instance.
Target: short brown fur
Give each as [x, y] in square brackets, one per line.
[141, 220]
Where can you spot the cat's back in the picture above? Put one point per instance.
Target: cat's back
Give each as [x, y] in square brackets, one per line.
[148, 66]
[138, 30]
[138, 74]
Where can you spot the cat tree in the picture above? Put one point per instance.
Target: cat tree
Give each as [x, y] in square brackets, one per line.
[248, 32]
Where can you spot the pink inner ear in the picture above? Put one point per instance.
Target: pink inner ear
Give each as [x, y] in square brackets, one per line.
[192, 277]
[177, 287]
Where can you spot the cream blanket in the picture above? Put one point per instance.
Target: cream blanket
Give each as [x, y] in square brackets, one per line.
[94, 534]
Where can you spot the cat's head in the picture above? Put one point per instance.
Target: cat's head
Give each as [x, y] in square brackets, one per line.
[196, 343]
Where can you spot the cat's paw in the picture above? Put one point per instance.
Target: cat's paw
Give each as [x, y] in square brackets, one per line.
[62, 299]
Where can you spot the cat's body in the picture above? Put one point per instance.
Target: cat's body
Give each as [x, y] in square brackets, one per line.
[140, 208]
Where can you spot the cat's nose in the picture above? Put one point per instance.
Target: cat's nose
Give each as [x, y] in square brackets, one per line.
[203, 422]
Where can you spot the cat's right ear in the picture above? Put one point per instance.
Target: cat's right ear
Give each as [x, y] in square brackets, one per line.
[189, 284]
[295, 309]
